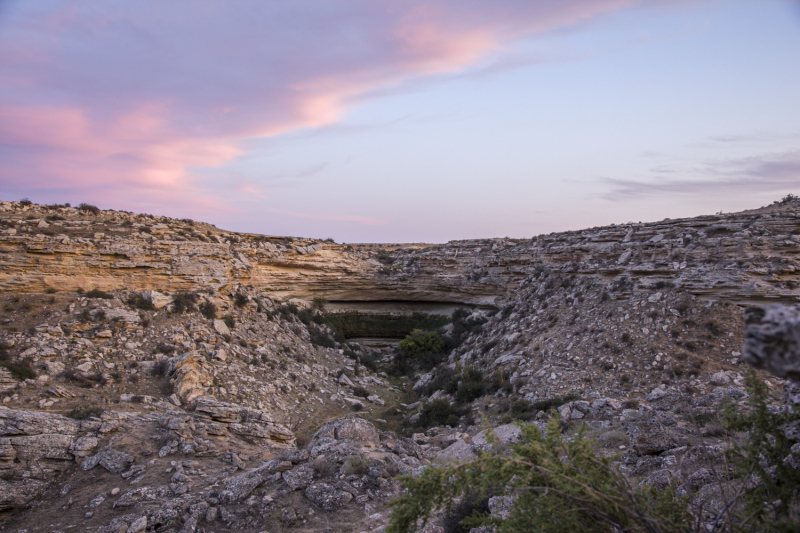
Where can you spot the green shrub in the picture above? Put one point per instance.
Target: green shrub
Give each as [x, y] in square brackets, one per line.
[471, 387]
[559, 486]
[355, 324]
[470, 506]
[22, 370]
[550, 403]
[97, 293]
[229, 321]
[501, 382]
[25, 202]
[320, 337]
[183, 301]
[439, 413]
[208, 310]
[419, 342]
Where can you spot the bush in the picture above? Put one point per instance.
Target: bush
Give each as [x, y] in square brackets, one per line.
[324, 467]
[89, 208]
[501, 382]
[472, 385]
[355, 466]
[240, 299]
[550, 403]
[184, 301]
[419, 342]
[165, 348]
[85, 411]
[230, 322]
[559, 486]
[439, 413]
[140, 303]
[208, 310]
[360, 392]
[25, 202]
[161, 368]
[320, 338]
[97, 293]
[21, 371]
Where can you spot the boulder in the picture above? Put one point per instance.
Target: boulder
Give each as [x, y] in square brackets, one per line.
[112, 460]
[221, 327]
[299, 477]
[649, 437]
[458, 452]
[327, 497]
[505, 434]
[156, 298]
[245, 421]
[351, 428]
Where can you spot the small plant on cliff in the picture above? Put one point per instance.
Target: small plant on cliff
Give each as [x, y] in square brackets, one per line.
[240, 299]
[97, 293]
[140, 302]
[89, 208]
[25, 202]
[208, 310]
[184, 301]
[22, 370]
[230, 322]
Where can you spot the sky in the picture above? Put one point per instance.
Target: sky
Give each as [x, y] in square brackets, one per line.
[401, 120]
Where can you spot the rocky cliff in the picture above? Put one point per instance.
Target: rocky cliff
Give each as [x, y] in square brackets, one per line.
[749, 256]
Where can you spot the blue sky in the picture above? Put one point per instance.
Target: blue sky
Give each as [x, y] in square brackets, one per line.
[403, 121]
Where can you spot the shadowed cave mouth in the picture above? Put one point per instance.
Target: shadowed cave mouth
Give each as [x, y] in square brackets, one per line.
[389, 319]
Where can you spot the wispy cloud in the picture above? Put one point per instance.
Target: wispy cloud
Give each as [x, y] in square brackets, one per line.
[752, 174]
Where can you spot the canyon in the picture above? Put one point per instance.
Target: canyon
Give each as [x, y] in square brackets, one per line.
[129, 406]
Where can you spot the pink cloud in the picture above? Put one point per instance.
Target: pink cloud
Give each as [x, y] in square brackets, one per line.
[122, 98]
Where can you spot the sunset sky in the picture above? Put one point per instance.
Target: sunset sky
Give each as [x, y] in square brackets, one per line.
[401, 120]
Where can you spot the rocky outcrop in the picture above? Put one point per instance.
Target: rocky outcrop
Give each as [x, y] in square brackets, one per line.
[34, 448]
[772, 340]
[749, 256]
[244, 421]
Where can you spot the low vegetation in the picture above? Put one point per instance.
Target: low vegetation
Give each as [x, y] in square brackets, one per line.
[558, 484]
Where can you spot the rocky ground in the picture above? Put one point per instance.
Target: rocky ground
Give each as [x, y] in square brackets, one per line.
[133, 407]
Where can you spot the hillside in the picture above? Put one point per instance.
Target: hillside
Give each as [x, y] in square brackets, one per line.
[166, 375]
